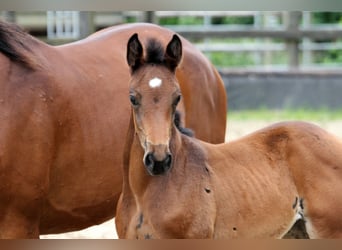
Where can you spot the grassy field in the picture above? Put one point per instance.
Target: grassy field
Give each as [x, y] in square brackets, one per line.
[243, 122]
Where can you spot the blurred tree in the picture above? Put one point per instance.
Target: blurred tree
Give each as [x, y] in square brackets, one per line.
[327, 17]
[233, 20]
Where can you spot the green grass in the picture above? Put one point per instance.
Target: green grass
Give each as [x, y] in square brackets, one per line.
[320, 115]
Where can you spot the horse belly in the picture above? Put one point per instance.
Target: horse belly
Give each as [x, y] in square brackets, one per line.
[256, 206]
[83, 191]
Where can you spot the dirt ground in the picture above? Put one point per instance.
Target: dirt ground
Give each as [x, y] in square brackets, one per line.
[235, 129]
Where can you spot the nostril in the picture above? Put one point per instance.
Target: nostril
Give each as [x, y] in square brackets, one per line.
[168, 160]
[149, 160]
[155, 167]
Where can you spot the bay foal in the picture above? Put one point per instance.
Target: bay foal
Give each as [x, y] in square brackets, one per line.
[176, 186]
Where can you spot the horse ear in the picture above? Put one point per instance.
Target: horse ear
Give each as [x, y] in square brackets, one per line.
[134, 52]
[173, 53]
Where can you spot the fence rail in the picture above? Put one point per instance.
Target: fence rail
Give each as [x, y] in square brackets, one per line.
[226, 31]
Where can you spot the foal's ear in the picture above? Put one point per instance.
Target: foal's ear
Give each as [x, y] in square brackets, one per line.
[134, 52]
[173, 53]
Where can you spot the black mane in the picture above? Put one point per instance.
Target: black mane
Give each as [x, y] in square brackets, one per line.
[154, 52]
[14, 43]
[185, 131]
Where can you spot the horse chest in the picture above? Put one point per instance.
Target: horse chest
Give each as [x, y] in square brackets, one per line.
[143, 226]
[140, 228]
[172, 218]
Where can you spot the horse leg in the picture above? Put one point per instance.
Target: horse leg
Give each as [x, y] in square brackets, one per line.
[24, 180]
[125, 212]
[320, 217]
[322, 225]
[15, 224]
[323, 206]
[20, 206]
[21, 202]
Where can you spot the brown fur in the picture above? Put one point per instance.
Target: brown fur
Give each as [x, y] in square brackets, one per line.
[254, 187]
[64, 113]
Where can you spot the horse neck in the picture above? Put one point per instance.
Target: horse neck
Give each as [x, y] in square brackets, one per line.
[137, 178]
[130, 137]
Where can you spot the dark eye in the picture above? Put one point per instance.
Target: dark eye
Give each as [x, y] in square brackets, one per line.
[176, 101]
[133, 100]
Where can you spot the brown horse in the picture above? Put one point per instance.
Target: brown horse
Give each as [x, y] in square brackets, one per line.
[258, 186]
[64, 114]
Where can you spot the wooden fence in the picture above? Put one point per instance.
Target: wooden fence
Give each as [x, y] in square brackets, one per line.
[291, 33]
[297, 34]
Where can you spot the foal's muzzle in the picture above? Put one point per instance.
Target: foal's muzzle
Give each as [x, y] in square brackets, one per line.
[157, 167]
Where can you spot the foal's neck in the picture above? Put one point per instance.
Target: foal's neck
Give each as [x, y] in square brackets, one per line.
[139, 178]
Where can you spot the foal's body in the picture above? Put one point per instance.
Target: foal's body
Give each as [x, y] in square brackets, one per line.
[265, 181]
[255, 187]
[175, 186]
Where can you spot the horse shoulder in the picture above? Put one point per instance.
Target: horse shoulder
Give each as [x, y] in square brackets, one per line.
[27, 144]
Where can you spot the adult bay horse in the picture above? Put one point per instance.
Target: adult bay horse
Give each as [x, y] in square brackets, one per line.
[176, 186]
[64, 114]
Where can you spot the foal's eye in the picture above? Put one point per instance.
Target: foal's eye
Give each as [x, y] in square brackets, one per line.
[133, 100]
[176, 101]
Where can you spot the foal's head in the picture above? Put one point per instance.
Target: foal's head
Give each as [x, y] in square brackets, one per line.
[154, 95]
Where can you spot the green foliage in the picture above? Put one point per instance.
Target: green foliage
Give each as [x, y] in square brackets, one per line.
[131, 19]
[333, 56]
[190, 20]
[328, 57]
[169, 21]
[233, 20]
[238, 59]
[326, 17]
[230, 58]
[181, 20]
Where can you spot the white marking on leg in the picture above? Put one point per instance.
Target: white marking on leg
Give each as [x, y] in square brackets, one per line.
[310, 229]
[155, 82]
